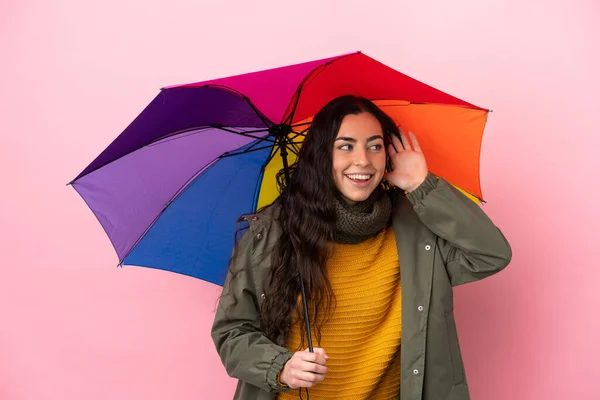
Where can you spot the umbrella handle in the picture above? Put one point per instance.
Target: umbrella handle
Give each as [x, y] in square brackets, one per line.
[306, 320]
[281, 138]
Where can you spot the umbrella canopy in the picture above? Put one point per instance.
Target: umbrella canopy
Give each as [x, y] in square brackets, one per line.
[169, 189]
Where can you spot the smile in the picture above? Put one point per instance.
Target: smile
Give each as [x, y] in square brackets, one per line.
[359, 177]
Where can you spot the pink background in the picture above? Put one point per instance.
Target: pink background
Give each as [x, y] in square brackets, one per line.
[74, 74]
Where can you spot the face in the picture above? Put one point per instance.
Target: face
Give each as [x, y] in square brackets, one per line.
[358, 157]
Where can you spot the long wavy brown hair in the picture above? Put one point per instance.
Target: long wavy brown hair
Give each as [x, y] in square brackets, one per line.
[307, 220]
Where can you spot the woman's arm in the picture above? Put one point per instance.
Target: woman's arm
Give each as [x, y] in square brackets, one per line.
[472, 246]
[245, 352]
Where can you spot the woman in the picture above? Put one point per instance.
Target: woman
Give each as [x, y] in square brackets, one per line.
[380, 243]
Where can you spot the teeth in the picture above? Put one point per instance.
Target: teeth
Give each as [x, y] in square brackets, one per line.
[358, 177]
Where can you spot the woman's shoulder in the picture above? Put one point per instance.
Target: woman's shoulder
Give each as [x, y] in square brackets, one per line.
[265, 217]
[397, 195]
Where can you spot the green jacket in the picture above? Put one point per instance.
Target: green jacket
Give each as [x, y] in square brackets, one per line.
[444, 239]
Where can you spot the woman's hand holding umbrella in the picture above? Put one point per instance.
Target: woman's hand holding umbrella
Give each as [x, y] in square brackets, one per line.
[304, 369]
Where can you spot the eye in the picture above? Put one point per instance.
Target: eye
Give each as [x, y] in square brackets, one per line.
[376, 147]
[345, 147]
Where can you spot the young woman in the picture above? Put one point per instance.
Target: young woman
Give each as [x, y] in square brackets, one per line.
[379, 242]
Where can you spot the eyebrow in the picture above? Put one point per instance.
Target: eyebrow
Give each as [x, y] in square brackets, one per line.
[349, 139]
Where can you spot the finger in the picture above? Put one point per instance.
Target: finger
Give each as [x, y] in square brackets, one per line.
[308, 377]
[397, 143]
[314, 368]
[415, 142]
[405, 142]
[314, 355]
[322, 352]
[312, 358]
[298, 383]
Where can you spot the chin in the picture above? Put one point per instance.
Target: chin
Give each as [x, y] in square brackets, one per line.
[357, 197]
[354, 194]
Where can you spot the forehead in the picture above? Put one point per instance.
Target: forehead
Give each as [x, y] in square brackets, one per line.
[363, 124]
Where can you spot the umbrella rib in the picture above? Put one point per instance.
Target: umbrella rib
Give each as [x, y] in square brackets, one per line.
[317, 73]
[299, 133]
[192, 131]
[290, 117]
[296, 135]
[177, 135]
[254, 130]
[309, 79]
[141, 236]
[182, 189]
[244, 133]
[259, 181]
[246, 151]
[256, 143]
[204, 169]
[294, 146]
[271, 156]
[301, 124]
[262, 117]
[247, 99]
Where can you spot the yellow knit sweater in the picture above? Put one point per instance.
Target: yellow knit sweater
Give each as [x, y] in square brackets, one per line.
[362, 336]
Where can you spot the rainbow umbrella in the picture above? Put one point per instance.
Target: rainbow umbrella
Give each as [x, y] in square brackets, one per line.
[169, 189]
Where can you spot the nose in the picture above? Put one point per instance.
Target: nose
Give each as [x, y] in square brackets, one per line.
[361, 158]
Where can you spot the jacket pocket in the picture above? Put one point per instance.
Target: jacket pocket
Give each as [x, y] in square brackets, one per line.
[458, 369]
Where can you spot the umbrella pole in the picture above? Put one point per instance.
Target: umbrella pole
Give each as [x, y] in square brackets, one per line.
[284, 153]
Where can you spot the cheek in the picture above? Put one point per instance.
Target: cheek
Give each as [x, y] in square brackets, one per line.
[379, 161]
[339, 164]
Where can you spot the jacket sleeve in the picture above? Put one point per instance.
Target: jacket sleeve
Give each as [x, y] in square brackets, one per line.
[245, 352]
[472, 246]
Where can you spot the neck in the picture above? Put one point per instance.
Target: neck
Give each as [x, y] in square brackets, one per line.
[362, 220]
